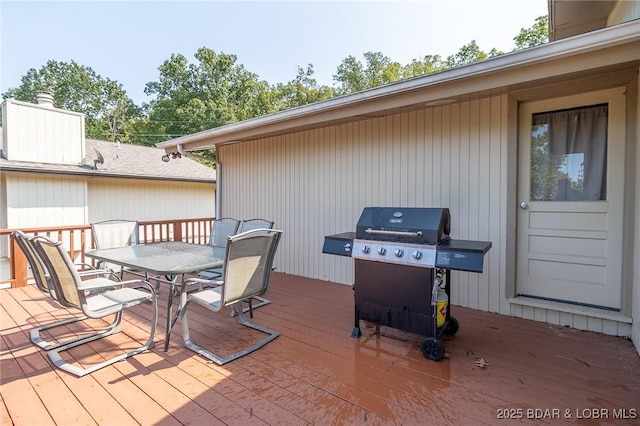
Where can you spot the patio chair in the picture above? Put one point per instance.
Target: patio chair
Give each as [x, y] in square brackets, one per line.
[40, 275]
[43, 282]
[249, 224]
[222, 229]
[114, 297]
[243, 226]
[114, 234]
[247, 269]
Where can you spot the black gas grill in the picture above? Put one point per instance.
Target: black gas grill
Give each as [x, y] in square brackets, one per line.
[403, 258]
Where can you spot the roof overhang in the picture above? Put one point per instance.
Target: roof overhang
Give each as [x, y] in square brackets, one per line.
[572, 17]
[19, 167]
[608, 47]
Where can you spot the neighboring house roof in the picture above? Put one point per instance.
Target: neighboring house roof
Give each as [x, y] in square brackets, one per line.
[120, 161]
[525, 69]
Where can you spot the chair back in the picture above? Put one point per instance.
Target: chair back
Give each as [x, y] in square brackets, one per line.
[35, 263]
[115, 233]
[250, 224]
[64, 276]
[222, 229]
[248, 264]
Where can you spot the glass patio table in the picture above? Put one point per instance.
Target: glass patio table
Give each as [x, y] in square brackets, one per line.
[172, 259]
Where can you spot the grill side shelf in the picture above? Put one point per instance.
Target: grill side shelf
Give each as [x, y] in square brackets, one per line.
[462, 255]
[339, 244]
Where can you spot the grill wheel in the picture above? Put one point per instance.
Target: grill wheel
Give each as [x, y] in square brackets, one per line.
[432, 349]
[451, 327]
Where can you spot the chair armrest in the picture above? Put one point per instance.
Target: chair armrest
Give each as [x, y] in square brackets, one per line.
[94, 272]
[186, 283]
[84, 265]
[97, 284]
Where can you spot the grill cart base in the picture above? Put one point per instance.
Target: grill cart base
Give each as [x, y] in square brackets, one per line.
[403, 297]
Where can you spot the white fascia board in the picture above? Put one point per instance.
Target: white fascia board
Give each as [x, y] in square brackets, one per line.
[361, 102]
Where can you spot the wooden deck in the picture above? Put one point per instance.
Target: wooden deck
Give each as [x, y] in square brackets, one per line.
[315, 373]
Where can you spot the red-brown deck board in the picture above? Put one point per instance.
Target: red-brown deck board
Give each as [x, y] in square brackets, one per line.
[314, 373]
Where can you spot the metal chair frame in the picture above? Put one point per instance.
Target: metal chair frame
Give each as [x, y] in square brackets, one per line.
[247, 269]
[96, 298]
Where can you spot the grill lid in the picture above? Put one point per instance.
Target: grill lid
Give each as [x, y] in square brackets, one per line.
[420, 225]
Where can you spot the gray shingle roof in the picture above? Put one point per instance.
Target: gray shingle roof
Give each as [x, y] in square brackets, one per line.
[123, 161]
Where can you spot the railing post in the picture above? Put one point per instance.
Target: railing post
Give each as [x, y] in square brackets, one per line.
[18, 265]
[177, 231]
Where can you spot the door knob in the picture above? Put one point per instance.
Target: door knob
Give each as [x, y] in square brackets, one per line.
[524, 204]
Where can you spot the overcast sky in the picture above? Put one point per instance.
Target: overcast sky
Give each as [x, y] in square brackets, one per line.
[127, 41]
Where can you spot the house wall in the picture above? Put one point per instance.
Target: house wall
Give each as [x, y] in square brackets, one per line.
[149, 200]
[635, 253]
[40, 200]
[317, 182]
[43, 200]
[4, 243]
[462, 156]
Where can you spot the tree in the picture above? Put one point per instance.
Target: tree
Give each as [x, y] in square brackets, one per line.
[546, 167]
[352, 76]
[535, 35]
[426, 65]
[302, 90]
[78, 88]
[468, 54]
[211, 93]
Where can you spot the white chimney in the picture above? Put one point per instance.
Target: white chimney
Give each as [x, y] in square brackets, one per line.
[45, 99]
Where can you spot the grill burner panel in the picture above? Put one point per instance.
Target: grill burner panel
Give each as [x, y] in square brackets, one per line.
[421, 255]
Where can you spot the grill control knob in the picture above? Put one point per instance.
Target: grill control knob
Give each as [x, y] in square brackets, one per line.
[398, 252]
[366, 249]
[417, 255]
[382, 251]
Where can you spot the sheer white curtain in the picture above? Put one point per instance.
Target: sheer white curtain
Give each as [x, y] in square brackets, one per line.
[573, 147]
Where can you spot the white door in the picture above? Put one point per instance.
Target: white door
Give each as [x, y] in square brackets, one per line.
[570, 195]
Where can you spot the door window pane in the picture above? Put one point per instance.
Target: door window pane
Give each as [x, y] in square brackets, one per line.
[569, 154]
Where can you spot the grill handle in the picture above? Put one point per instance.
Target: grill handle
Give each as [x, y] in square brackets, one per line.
[397, 233]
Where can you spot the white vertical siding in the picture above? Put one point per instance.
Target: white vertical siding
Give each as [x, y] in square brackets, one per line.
[36, 200]
[4, 242]
[44, 200]
[317, 182]
[148, 200]
[635, 291]
[39, 134]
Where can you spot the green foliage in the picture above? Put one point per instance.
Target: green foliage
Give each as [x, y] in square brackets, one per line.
[211, 93]
[216, 90]
[302, 90]
[427, 65]
[468, 54]
[534, 35]
[546, 168]
[78, 88]
[352, 76]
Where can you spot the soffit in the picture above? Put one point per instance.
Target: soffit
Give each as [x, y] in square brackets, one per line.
[573, 17]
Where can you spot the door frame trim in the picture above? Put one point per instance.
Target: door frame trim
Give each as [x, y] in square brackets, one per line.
[616, 206]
